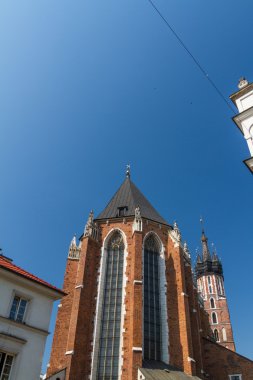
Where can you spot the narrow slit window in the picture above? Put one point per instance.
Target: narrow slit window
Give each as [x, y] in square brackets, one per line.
[216, 335]
[214, 318]
[212, 304]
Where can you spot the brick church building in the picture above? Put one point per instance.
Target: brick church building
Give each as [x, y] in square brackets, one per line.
[134, 308]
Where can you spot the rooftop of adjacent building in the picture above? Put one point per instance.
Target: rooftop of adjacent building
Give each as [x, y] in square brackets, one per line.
[7, 264]
[152, 370]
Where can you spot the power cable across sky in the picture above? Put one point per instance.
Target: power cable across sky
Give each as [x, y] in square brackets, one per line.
[195, 60]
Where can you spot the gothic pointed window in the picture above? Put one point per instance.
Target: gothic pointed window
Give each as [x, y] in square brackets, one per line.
[152, 310]
[216, 335]
[214, 318]
[109, 344]
[212, 304]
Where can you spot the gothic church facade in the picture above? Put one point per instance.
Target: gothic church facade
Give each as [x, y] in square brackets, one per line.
[132, 309]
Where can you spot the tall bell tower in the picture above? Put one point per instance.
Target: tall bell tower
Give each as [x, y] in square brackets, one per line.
[243, 100]
[210, 281]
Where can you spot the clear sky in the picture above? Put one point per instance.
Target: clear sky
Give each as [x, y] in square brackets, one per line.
[89, 86]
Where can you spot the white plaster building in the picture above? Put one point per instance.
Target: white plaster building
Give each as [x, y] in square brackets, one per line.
[25, 311]
[243, 100]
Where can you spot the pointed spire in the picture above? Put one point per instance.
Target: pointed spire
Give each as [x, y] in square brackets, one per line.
[74, 251]
[128, 172]
[91, 228]
[205, 250]
[73, 242]
[177, 231]
[199, 259]
[186, 250]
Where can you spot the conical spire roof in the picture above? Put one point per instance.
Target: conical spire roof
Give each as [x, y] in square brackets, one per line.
[128, 197]
[205, 250]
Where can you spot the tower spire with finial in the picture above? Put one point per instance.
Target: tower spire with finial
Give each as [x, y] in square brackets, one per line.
[128, 173]
[205, 250]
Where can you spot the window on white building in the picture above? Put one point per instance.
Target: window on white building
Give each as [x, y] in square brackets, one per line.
[235, 377]
[18, 309]
[6, 361]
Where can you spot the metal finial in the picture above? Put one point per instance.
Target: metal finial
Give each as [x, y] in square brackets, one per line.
[242, 83]
[202, 223]
[128, 173]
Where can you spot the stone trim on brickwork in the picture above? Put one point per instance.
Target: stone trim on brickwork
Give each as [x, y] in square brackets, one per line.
[99, 305]
[163, 297]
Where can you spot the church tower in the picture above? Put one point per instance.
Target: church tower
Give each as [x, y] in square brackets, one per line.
[131, 305]
[210, 281]
[132, 310]
[243, 100]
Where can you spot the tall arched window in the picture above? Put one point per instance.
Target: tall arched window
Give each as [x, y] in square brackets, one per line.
[214, 318]
[212, 304]
[152, 310]
[216, 335]
[109, 343]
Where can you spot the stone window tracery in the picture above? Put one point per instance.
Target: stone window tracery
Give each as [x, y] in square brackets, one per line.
[152, 309]
[110, 332]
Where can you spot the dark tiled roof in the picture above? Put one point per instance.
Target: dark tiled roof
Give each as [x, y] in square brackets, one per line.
[130, 196]
[8, 265]
[154, 370]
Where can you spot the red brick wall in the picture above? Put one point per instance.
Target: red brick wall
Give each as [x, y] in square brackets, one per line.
[180, 334]
[187, 322]
[58, 359]
[74, 325]
[220, 362]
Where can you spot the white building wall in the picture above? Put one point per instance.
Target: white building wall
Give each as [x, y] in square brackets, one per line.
[25, 340]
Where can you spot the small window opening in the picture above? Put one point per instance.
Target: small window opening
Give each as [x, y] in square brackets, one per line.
[214, 318]
[216, 335]
[212, 304]
[122, 211]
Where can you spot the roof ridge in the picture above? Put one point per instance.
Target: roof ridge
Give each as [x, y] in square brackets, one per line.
[6, 264]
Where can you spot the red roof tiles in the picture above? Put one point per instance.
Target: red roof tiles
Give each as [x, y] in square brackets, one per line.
[5, 263]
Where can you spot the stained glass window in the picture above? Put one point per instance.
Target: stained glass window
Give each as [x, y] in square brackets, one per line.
[152, 313]
[109, 345]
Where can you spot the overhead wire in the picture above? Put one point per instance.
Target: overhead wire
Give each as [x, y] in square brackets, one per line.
[195, 60]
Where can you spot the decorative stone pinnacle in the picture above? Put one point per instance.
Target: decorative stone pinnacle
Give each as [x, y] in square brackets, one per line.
[74, 251]
[137, 213]
[186, 250]
[91, 228]
[137, 225]
[242, 83]
[73, 242]
[177, 231]
[128, 172]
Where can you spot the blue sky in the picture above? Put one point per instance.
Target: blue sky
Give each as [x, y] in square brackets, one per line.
[89, 86]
